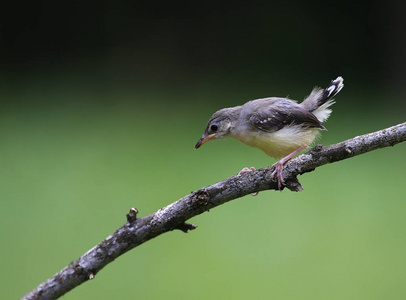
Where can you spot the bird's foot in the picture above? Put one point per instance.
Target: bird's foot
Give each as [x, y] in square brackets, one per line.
[247, 170]
[278, 173]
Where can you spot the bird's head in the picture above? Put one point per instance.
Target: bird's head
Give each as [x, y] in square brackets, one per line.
[219, 126]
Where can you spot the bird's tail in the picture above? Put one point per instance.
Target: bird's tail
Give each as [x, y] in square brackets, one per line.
[319, 100]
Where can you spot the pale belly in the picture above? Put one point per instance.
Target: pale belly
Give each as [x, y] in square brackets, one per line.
[280, 143]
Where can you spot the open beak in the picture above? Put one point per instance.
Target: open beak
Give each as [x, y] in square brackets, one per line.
[204, 139]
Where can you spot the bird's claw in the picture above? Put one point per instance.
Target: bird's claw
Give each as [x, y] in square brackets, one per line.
[277, 172]
[247, 170]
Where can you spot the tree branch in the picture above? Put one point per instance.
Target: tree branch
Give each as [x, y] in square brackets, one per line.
[137, 231]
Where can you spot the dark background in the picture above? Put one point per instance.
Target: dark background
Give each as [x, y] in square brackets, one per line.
[102, 102]
[140, 44]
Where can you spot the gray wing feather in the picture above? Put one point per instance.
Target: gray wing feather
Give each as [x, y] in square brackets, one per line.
[273, 119]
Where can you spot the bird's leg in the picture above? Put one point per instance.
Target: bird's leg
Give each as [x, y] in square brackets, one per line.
[279, 165]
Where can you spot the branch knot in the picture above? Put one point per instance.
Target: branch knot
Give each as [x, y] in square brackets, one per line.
[132, 215]
[200, 197]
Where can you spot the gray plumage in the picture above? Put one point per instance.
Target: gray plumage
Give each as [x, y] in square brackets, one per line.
[278, 126]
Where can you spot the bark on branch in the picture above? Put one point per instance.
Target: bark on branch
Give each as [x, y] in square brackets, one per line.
[137, 231]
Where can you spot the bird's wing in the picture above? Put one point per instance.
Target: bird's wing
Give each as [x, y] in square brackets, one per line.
[276, 117]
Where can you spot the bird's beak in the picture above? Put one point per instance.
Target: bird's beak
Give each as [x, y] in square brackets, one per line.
[204, 139]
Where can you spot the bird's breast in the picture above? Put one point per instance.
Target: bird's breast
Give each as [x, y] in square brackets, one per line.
[279, 143]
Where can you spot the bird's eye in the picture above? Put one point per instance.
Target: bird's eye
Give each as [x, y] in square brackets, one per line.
[214, 128]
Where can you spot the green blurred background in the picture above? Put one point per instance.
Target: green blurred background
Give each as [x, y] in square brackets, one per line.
[102, 103]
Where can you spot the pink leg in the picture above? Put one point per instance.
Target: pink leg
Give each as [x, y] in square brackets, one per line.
[279, 165]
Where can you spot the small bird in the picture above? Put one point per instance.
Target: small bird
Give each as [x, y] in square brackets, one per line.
[280, 127]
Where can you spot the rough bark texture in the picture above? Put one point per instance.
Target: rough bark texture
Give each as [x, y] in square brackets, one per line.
[137, 231]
